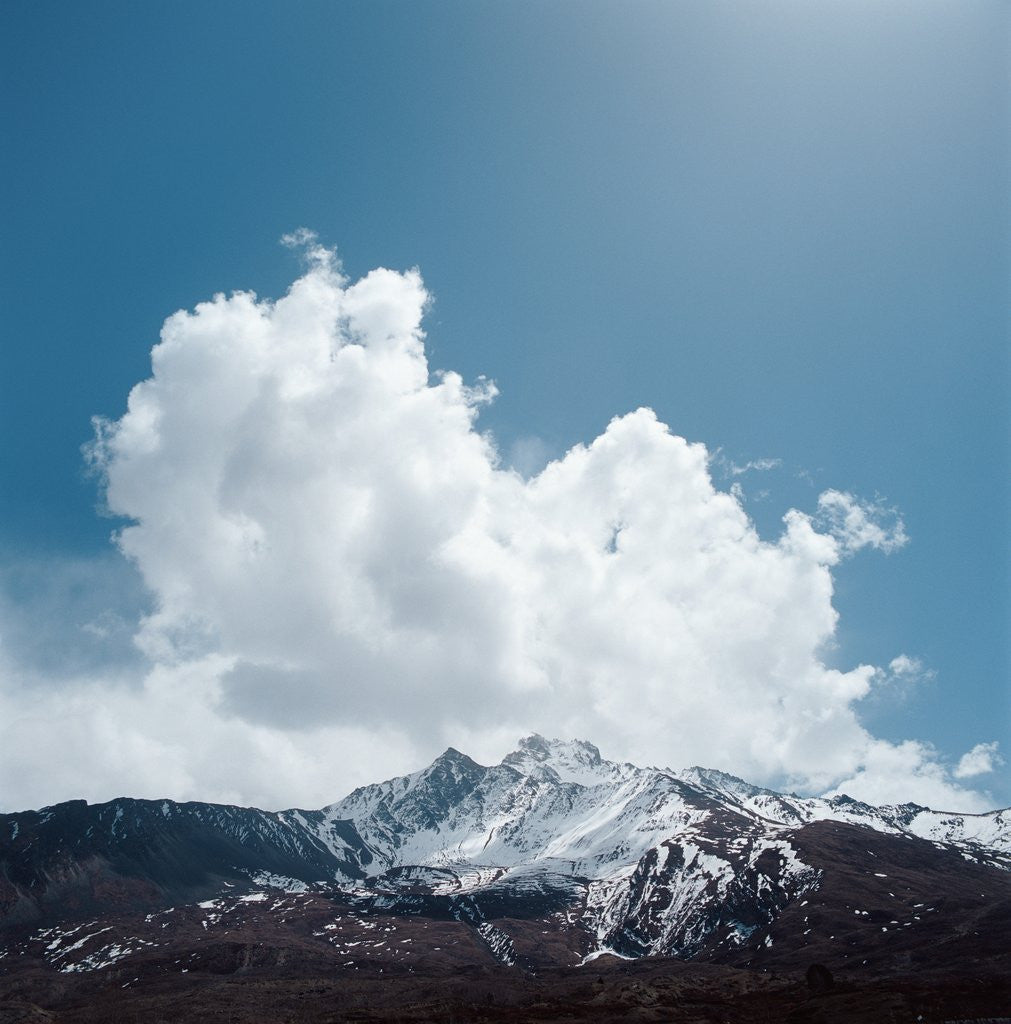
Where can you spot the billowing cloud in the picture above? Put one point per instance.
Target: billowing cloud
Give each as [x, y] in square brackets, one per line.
[981, 760]
[346, 577]
[165, 735]
[909, 771]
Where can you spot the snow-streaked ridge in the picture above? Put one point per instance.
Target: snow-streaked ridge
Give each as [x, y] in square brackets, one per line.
[553, 802]
[664, 860]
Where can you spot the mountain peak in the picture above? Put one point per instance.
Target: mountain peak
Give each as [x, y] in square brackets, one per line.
[452, 754]
[571, 760]
[454, 761]
[542, 749]
[535, 745]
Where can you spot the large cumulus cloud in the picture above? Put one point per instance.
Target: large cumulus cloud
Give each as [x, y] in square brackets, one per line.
[345, 576]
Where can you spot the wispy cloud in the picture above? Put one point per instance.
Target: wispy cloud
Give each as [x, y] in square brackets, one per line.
[528, 455]
[755, 465]
[61, 617]
[858, 524]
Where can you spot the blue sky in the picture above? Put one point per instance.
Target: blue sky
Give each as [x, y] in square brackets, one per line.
[784, 227]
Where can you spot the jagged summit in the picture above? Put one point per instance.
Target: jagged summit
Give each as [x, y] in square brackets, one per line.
[570, 760]
[732, 786]
[450, 759]
[543, 749]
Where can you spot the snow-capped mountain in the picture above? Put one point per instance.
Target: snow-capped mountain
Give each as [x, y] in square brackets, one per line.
[553, 802]
[662, 861]
[635, 861]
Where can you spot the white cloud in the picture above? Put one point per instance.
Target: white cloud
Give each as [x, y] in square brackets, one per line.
[981, 760]
[908, 772]
[346, 578]
[857, 524]
[168, 737]
[307, 243]
[903, 665]
[903, 675]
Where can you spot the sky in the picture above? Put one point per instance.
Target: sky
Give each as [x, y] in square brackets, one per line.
[378, 377]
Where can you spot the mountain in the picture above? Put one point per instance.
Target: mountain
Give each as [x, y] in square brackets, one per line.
[552, 860]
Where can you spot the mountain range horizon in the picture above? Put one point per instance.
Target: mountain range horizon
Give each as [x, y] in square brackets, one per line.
[550, 860]
[540, 747]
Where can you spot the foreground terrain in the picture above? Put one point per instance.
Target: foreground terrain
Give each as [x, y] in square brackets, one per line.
[646, 990]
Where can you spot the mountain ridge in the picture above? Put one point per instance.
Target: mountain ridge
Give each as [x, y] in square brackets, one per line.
[553, 817]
